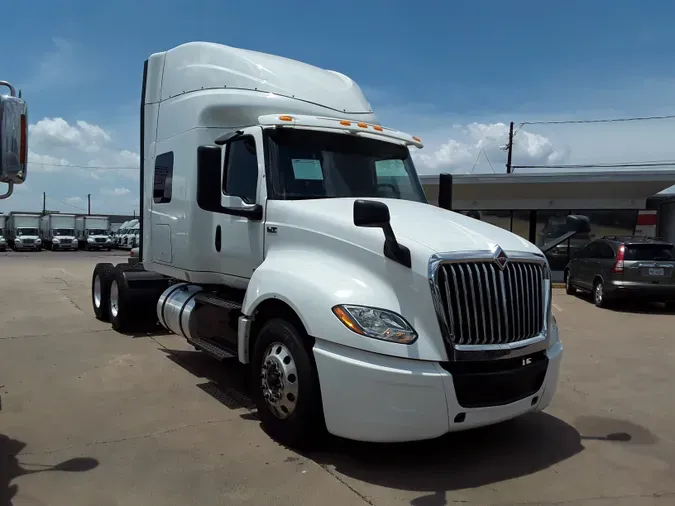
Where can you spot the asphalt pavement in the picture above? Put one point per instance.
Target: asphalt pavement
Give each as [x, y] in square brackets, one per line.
[93, 417]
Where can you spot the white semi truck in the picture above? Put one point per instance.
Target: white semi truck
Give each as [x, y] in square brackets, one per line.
[58, 231]
[24, 231]
[92, 232]
[3, 231]
[126, 239]
[117, 238]
[284, 227]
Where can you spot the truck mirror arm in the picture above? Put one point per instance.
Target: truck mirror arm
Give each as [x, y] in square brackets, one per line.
[371, 213]
[253, 213]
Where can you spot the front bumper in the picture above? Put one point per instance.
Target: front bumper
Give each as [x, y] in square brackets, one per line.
[644, 290]
[372, 397]
[71, 247]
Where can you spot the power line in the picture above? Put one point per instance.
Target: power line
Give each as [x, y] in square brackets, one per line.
[66, 203]
[661, 164]
[95, 167]
[609, 120]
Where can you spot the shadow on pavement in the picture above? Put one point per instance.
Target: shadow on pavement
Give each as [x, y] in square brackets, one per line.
[633, 305]
[458, 460]
[227, 381]
[11, 468]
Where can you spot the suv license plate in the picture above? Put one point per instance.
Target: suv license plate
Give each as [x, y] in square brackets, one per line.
[655, 272]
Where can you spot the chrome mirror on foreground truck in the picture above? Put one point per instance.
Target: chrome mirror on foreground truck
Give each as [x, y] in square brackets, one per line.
[372, 213]
[13, 139]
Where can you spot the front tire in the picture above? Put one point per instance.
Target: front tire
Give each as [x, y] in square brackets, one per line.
[569, 288]
[286, 386]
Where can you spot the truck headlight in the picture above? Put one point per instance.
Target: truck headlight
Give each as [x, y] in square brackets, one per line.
[38, 241]
[376, 323]
[17, 240]
[55, 240]
[90, 239]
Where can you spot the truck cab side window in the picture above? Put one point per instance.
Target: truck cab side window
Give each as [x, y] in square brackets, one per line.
[161, 193]
[240, 174]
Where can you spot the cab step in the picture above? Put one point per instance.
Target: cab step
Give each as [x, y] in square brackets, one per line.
[216, 350]
[214, 300]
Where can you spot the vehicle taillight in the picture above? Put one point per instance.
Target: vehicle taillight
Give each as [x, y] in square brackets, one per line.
[618, 266]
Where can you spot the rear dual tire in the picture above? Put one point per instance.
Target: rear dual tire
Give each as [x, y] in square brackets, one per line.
[100, 290]
[127, 308]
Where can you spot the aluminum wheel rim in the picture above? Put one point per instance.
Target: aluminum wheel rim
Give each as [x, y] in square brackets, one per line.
[598, 293]
[114, 299]
[97, 291]
[279, 380]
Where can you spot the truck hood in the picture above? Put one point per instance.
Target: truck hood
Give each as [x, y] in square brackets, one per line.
[437, 229]
[22, 237]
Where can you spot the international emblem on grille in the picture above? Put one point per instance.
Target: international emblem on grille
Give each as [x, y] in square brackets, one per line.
[500, 257]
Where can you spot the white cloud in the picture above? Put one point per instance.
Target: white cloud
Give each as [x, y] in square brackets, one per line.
[483, 144]
[70, 160]
[116, 192]
[57, 133]
[45, 163]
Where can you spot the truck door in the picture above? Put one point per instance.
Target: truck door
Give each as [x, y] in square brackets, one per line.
[238, 240]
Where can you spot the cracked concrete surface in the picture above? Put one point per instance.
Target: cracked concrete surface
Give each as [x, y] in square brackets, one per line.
[90, 416]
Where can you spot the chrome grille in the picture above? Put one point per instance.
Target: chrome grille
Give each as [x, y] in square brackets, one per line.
[28, 242]
[66, 241]
[484, 304]
[100, 239]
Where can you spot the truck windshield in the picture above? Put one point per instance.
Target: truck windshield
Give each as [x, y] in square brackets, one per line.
[27, 231]
[308, 164]
[64, 231]
[97, 231]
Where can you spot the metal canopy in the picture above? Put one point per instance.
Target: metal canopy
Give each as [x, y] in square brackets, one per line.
[528, 191]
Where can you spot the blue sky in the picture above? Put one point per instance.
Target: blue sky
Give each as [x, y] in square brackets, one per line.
[452, 72]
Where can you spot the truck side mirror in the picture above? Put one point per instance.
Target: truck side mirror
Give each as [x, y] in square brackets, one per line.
[578, 223]
[372, 213]
[13, 139]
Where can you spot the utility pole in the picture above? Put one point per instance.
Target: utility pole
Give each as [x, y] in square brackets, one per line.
[509, 150]
[44, 203]
[89, 203]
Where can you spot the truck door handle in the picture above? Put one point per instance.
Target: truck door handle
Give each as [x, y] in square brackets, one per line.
[218, 236]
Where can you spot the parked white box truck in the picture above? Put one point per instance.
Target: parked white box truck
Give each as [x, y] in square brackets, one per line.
[24, 231]
[284, 227]
[3, 233]
[92, 232]
[58, 231]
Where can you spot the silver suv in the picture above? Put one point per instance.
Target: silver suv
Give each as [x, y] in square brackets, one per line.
[616, 267]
